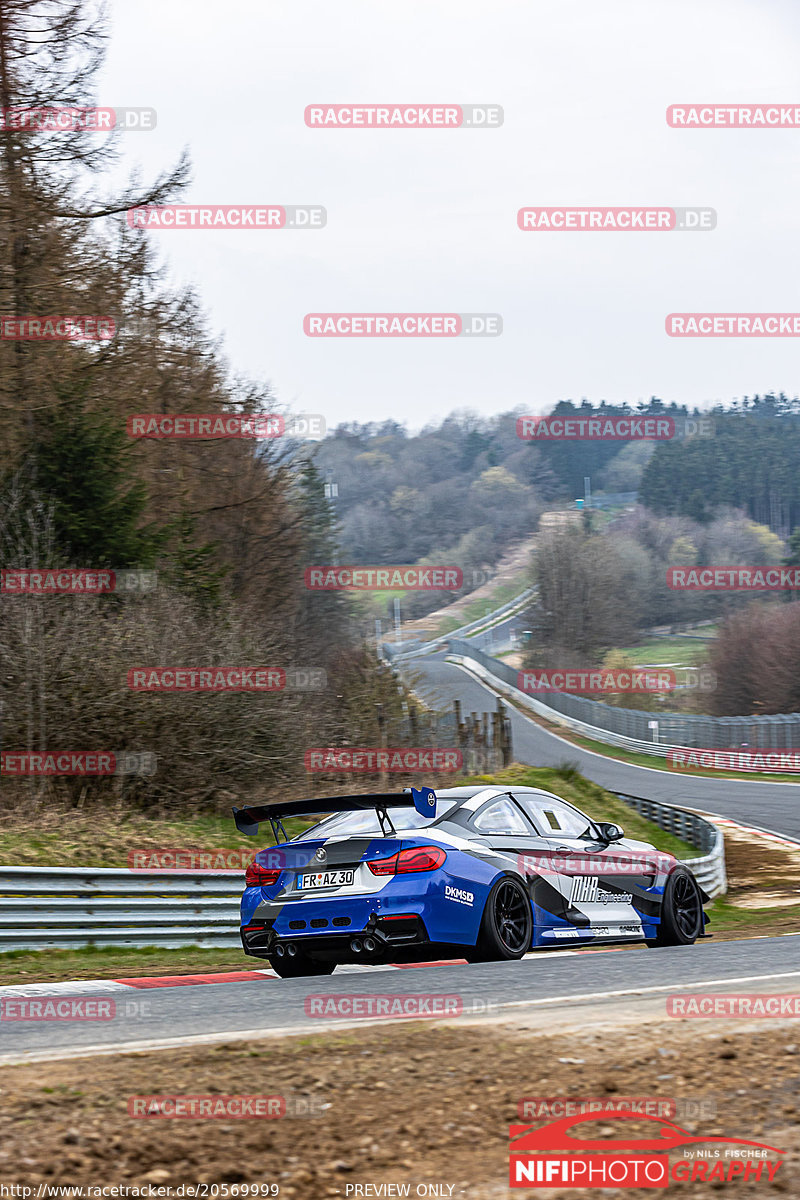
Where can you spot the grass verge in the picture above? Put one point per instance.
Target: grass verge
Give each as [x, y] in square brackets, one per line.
[109, 837]
[112, 962]
[685, 651]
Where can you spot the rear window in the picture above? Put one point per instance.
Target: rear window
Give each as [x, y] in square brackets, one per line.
[366, 821]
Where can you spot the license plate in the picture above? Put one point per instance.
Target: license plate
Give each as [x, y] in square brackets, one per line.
[325, 879]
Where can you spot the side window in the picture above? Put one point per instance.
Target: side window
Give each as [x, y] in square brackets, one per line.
[554, 818]
[502, 816]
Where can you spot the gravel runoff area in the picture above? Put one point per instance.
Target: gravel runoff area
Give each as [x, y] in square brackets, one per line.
[424, 1105]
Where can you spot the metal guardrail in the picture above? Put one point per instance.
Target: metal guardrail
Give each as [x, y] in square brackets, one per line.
[628, 728]
[68, 907]
[418, 649]
[708, 868]
[489, 618]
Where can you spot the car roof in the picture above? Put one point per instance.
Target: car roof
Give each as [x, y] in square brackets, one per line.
[467, 792]
[471, 798]
[460, 793]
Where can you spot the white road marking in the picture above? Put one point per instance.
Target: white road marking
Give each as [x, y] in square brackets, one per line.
[79, 987]
[641, 991]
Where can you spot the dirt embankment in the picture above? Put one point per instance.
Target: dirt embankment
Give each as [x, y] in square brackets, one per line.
[398, 1104]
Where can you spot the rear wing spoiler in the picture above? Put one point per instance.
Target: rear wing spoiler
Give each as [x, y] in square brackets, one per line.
[422, 799]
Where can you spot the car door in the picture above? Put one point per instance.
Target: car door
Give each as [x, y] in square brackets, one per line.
[502, 826]
[579, 881]
[505, 827]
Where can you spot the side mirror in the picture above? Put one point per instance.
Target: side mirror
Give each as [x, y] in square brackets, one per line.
[610, 832]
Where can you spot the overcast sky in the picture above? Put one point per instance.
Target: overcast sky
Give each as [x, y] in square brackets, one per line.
[425, 220]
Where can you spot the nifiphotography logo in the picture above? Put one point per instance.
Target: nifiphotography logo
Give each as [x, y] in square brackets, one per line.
[641, 1162]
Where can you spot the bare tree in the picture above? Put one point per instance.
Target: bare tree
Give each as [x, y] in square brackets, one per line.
[51, 181]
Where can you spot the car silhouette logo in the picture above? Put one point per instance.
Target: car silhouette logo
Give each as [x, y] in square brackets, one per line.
[556, 1135]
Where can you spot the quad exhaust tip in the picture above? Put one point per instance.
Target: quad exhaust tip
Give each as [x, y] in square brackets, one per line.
[368, 944]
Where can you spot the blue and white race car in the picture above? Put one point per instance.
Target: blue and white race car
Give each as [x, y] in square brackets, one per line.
[476, 872]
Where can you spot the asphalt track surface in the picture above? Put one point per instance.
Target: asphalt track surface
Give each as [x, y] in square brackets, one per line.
[773, 806]
[543, 990]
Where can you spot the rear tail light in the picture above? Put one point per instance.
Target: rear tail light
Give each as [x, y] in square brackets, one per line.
[420, 858]
[383, 866]
[257, 876]
[417, 858]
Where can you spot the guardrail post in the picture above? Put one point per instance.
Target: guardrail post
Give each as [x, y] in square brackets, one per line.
[504, 731]
[708, 868]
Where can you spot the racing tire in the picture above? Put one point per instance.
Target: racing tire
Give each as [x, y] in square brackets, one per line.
[507, 924]
[299, 966]
[681, 911]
